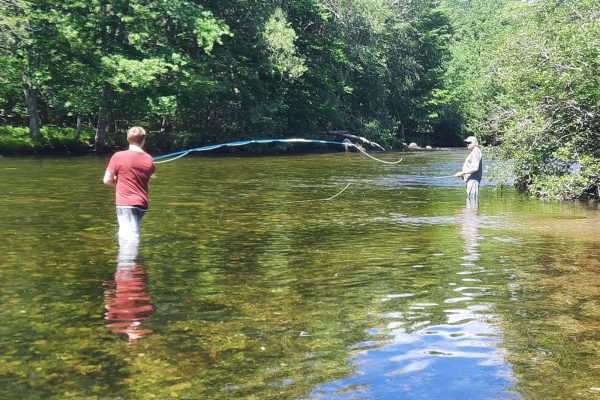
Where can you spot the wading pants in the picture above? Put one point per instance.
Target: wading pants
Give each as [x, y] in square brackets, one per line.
[472, 189]
[130, 220]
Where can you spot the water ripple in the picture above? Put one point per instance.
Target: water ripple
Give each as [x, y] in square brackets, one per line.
[457, 359]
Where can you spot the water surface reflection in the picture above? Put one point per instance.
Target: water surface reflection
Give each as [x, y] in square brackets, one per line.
[438, 344]
[470, 224]
[127, 301]
[392, 290]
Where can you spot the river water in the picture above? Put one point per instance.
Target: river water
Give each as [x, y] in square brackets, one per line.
[252, 282]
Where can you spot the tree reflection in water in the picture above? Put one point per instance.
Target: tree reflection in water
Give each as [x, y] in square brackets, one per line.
[127, 302]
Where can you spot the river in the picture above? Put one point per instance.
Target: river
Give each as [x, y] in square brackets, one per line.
[253, 280]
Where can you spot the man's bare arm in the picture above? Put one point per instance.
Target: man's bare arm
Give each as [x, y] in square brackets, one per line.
[109, 178]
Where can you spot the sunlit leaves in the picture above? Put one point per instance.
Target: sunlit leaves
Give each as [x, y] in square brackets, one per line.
[279, 37]
[126, 73]
[209, 31]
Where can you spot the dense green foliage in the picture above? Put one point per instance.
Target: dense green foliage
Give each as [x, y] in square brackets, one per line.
[51, 140]
[196, 72]
[522, 75]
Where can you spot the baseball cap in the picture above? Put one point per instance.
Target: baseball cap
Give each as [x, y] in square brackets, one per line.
[471, 139]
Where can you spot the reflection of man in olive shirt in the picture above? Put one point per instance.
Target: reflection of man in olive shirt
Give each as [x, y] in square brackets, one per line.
[472, 168]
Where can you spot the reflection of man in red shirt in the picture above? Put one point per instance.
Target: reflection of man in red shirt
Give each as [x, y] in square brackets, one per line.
[129, 171]
[128, 304]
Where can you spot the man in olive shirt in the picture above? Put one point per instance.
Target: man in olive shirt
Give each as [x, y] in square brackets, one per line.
[472, 169]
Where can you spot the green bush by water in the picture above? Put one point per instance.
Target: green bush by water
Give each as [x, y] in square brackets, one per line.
[52, 140]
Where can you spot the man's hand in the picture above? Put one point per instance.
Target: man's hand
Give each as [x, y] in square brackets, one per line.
[109, 179]
[459, 174]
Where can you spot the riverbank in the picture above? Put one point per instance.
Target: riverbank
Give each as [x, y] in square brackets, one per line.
[52, 140]
[15, 141]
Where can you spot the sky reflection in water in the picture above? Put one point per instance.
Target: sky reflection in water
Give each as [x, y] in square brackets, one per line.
[459, 359]
[252, 286]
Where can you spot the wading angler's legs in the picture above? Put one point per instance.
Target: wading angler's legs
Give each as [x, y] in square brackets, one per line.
[472, 189]
[130, 219]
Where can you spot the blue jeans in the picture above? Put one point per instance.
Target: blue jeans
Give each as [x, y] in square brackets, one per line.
[130, 220]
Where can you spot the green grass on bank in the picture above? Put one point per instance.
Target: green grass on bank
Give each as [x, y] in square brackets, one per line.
[52, 140]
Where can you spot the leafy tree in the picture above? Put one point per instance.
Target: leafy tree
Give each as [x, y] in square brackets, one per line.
[199, 73]
[25, 30]
[525, 74]
[279, 38]
[556, 117]
[108, 58]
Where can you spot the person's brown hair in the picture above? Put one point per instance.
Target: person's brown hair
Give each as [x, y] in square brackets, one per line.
[136, 135]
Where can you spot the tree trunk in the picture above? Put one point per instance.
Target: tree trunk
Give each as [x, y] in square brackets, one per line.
[402, 134]
[163, 124]
[31, 102]
[103, 130]
[79, 125]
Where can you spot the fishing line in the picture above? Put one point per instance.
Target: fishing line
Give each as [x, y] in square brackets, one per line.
[172, 159]
[374, 158]
[179, 154]
[327, 199]
[342, 191]
[246, 142]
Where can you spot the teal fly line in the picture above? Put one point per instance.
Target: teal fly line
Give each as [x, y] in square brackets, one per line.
[179, 154]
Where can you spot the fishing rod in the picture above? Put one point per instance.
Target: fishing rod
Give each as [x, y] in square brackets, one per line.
[178, 154]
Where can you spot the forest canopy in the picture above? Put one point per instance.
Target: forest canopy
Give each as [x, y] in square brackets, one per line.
[521, 75]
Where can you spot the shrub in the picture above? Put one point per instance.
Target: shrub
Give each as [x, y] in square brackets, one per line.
[52, 140]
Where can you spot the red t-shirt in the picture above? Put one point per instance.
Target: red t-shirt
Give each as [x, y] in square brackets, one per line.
[133, 170]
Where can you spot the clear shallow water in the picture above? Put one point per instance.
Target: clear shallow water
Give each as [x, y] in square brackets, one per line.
[248, 285]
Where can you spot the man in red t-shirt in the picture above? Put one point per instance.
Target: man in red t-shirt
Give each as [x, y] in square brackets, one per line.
[129, 171]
